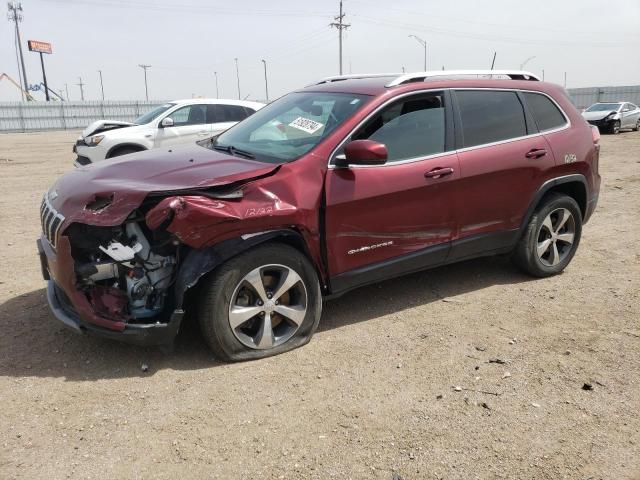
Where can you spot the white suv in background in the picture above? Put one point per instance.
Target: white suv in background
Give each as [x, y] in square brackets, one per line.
[174, 123]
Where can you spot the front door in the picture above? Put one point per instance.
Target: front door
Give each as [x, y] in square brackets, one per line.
[388, 219]
[189, 126]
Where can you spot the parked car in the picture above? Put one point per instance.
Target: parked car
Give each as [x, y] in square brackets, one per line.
[174, 123]
[368, 178]
[613, 117]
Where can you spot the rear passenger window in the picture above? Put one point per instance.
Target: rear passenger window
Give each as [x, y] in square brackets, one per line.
[411, 128]
[225, 113]
[490, 116]
[544, 111]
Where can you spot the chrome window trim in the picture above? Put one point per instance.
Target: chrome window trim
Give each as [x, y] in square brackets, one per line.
[331, 166]
[567, 125]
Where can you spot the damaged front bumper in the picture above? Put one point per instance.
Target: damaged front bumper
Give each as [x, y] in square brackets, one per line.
[145, 334]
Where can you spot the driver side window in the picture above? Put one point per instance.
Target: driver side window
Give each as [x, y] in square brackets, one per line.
[410, 128]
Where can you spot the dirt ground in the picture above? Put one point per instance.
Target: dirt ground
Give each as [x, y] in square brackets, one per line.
[373, 396]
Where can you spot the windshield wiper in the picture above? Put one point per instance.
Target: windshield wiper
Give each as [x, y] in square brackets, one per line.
[234, 151]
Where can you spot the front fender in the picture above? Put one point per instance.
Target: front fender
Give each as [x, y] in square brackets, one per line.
[198, 263]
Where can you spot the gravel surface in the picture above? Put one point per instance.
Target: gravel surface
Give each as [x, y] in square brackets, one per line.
[468, 371]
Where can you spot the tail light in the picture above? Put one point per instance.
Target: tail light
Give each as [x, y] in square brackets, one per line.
[595, 134]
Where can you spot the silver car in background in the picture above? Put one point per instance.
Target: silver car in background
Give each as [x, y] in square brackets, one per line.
[613, 116]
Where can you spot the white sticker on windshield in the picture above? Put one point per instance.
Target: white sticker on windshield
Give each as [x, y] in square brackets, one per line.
[306, 125]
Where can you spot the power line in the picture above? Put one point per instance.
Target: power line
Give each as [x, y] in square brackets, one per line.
[340, 25]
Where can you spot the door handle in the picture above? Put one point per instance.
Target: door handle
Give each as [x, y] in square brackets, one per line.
[438, 172]
[536, 153]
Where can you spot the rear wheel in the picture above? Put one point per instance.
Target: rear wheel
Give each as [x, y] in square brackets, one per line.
[263, 302]
[551, 238]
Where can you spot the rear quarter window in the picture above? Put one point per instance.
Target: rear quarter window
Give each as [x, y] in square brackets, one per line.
[545, 113]
[490, 116]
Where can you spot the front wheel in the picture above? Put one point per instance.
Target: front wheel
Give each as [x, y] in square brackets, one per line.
[615, 128]
[551, 238]
[637, 127]
[263, 302]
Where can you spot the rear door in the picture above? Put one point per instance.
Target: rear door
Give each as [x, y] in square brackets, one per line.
[387, 219]
[189, 125]
[502, 161]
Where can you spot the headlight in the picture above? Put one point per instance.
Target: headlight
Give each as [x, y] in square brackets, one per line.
[611, 116]
[94, 140]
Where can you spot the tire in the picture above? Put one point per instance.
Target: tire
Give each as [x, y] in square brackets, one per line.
[542, 231]
[615, 128]
[228, 296]
[637, 127]
[123, 151]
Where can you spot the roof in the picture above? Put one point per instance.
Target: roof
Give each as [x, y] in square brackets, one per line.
[225, 101]
[380, 83]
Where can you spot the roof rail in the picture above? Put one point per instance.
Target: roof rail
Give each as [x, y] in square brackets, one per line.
[337, 78]
[422, 76]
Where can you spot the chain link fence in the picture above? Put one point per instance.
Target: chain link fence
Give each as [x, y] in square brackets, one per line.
[42, 116]
[39, 116]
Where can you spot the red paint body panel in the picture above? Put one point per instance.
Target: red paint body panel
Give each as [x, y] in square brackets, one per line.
[498, 183]
[394, 208]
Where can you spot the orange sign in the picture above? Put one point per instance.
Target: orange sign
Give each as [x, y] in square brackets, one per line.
[37, 46]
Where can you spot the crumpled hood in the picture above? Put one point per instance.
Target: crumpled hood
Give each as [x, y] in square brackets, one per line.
[104, 125]
[596, 115]
[126, 182]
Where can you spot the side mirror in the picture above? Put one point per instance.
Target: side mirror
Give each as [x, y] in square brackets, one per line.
[166, 122]
[363, 152]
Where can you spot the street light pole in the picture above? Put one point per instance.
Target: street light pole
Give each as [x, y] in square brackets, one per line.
[238, 76]
[424, 45]
[146, 88]
[526, 61]
[101, 84]
[215, 74]
[266, 83]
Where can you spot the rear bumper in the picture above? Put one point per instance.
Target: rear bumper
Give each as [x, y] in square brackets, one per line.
[145, 334]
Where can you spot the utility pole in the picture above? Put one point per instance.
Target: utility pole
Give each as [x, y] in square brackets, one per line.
[66, 88]
[215, 74]
[15, 15]
[238, 77]
[81, 85]
[424, 45]
[543, 74]
[340, 25]
[266, 83]
[101, 84]
[146, 88]
[565, 79]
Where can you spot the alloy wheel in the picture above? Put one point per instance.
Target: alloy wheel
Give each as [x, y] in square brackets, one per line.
[268, 306]
[555, 237]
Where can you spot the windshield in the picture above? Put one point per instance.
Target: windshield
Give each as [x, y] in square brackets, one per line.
[601, 107]
[289, 127]
[153, 114]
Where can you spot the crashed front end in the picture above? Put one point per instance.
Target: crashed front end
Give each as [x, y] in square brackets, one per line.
[111, 281]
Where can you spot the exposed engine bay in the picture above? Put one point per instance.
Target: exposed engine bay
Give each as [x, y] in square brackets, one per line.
[126, 271]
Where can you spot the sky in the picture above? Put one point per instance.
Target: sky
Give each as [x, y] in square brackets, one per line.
[595, 42]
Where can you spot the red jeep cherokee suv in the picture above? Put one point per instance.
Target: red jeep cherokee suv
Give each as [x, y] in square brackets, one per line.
[347, 182]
